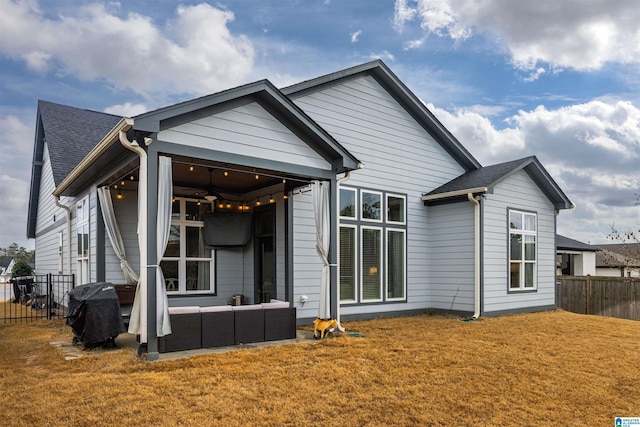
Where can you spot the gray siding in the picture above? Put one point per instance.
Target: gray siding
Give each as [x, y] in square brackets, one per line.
[126, 211]
[307, 266]
[399, 157]
[46, 242]
[245, 129]
[452, 256]
[517, 192]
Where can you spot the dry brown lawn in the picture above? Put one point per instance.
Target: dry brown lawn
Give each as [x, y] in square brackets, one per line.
[553, 368]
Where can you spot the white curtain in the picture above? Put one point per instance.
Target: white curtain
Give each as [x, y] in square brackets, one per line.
[138, 320]
[113, 232]
[321, 211]
[165, 194]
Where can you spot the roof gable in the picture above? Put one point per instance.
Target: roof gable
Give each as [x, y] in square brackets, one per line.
[268, 96]
[70, 134]
[487, 177]
[397, 89]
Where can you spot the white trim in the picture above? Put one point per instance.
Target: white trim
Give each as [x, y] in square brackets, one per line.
[523, 262]
[379, 193]
[404, 209]
[182, 223]
[456, 193]
[355, 203]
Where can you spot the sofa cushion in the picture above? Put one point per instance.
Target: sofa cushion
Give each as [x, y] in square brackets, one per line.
[184, 310]
[247, 307]
[215, 308]
[274, 304]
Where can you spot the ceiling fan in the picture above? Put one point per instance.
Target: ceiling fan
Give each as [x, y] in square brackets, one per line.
[211, 194]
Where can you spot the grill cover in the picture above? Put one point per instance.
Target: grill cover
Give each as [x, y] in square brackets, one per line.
[94, 314]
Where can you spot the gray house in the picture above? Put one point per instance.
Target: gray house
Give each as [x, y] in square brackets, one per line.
[342, 195]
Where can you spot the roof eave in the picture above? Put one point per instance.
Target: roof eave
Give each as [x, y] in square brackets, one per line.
[451, 194]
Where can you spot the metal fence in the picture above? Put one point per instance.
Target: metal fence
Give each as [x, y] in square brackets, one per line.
[42, 296]
[604, 296]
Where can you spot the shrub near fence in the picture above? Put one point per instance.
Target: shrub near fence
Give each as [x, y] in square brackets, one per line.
[603, 296]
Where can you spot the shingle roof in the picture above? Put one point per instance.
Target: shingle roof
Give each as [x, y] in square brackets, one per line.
[486, 176]
[489, 176]
[563, 242]
[71, 133]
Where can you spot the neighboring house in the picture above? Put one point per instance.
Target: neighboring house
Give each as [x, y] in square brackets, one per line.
[575, 258]
[618, 260]
[6, 265]
[405, 217]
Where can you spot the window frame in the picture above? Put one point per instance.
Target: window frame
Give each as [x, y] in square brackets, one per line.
[355, 203]
[523, 262]
[356, 270]
[358, 223]
[183, 223]
[83, 254]
[380, 220]
[397, 196]
[404, 263]
[381, 274]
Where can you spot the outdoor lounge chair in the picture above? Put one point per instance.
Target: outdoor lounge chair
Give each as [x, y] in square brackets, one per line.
[249, 323]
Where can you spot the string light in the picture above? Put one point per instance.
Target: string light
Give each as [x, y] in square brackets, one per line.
[258, 202]
[226, 173]
[285, 196]
[257, 176]
[131, 178]
[271, 199]
[122, 183]
[191, 168]
[119, 196]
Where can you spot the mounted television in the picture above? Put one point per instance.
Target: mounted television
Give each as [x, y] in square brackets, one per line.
[227, 229]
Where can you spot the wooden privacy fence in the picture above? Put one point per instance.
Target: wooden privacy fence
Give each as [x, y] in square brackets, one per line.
[603, 296]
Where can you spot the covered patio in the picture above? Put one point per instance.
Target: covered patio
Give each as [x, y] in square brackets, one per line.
[208, 193]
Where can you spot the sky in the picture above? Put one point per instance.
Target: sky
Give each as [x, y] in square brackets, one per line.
[556, 79]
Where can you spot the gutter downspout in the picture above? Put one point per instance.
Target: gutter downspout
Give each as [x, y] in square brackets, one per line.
[476, 250]
[142, 228]
[56, 200]
[345, 178]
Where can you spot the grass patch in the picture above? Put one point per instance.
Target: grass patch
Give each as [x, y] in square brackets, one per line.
[553, 368]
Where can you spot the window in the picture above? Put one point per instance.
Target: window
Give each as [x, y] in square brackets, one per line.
[188, 264]
[396, 270]
[372, 249]
[371, 206]
[82, 228]
[347, 256]
[347, 203]
[522, 250]
[395, 209]
[371, 272]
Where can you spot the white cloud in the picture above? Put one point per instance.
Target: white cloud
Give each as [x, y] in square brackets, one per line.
[17, 151]
[195, 52]
[592, 150]
[127, 109]
[354, 36]
[564, 34]
[413, 44]
[385, 55]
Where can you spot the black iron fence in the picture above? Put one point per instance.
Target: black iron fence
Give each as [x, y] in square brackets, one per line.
[42, 296]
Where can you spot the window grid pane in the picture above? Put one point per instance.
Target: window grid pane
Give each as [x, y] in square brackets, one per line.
[395, 209]
[371, 251]
[347, 203]
[347, 264]
[395, 264]
[371, 205]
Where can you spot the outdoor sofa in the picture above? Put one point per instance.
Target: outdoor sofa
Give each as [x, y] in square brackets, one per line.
[196, 327]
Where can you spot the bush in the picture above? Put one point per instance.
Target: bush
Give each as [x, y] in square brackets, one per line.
[20, 269]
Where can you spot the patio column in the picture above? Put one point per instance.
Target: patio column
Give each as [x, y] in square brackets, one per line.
[152, 212]
[333, 246]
